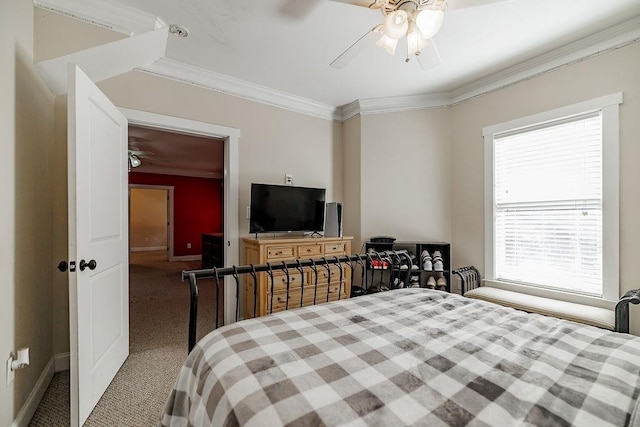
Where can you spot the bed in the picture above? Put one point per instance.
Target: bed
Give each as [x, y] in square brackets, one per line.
[408, 357]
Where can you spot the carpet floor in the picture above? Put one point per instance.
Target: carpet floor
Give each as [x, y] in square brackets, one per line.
[158, 321]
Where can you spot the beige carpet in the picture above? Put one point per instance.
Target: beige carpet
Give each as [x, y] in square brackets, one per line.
[159, 307]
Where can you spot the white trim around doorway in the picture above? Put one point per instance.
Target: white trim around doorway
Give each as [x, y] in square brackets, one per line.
[231, 137]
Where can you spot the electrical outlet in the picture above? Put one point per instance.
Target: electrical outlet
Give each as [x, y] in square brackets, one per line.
[10, 373]
[288, 179]
[188, 245]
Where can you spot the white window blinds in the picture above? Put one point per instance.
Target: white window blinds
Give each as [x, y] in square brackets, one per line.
[548, 205]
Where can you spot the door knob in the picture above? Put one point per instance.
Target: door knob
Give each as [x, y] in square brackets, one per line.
[62, 266]
[91, 264]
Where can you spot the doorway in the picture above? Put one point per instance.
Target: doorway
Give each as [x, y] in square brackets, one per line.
[151, 219]
[230, 138]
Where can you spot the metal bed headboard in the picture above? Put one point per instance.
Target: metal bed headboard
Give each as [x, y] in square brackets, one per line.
[365, 262]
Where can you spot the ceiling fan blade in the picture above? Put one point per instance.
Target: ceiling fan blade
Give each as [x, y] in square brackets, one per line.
[363, 42]
[460, 4]
[297, 9]
[364, 3]
[429, 56]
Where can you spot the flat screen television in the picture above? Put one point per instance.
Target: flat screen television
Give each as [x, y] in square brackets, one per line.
[277, 208]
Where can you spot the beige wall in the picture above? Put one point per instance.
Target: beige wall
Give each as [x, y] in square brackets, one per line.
[406, 182]
[26, 260]
[352, 189]
[148, 218]
[273, 141]
[600, 75]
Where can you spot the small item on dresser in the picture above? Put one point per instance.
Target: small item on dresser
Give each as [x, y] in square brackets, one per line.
[427, 265]
[441, 284]
[438, 265]
[431, 282]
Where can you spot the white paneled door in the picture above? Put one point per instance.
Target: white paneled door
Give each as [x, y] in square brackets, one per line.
[98, 242]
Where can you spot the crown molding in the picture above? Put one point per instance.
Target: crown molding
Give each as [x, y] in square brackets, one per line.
[616, 37]
[613, 38]
[131, 21]
[120, 18]
[190, 74]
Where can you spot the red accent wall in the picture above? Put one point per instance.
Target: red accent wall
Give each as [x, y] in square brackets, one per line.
[197, 208]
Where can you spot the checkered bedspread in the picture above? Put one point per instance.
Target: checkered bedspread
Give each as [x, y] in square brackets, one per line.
[408, 357]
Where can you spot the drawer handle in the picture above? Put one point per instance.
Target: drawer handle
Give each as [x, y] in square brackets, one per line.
[278, 253]
[309, 250]
[291, 279]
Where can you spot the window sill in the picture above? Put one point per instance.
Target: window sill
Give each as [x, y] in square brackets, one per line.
[594, 316]
[551, 294]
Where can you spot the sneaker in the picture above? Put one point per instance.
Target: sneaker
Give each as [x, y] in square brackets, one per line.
[438, 264]
[431, 282]
[397, 283]
[441, 284]
[426, 261]
[414, 282]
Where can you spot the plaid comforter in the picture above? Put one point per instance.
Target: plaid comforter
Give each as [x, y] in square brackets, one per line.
[408, 357]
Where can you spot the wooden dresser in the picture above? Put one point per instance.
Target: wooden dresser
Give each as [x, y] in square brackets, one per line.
[301, 286]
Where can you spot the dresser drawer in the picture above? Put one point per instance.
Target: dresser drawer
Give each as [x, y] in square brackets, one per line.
[280, 252]
[296, 280]
[308, 251]
[280, 298]
[323, 275]
[334, 291]
[335, 248]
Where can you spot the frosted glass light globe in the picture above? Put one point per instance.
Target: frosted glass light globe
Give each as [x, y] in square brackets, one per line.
[396, 24]
[429, 22]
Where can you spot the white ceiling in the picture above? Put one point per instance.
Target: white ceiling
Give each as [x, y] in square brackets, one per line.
[287, 45]
[279, 51]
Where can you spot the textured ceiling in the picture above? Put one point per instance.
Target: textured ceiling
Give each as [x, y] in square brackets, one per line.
[287, 45]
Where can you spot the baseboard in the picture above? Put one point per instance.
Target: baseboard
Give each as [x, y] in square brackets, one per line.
[149, 249]
[62, 361]
[187, 258]
[29, 408]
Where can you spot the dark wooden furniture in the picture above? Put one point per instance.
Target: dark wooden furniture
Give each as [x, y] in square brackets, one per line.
[212, 250]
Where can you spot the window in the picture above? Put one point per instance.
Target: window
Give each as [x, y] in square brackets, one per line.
[551, 201]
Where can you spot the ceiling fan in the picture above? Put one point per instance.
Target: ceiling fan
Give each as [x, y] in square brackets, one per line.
[416, 20]
[135, 154]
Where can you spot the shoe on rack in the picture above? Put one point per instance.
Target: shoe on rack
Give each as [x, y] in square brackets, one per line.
[431, 282]
[438, 264]
[441, 284]
[414, 282]
[426, 261]
[397, 284]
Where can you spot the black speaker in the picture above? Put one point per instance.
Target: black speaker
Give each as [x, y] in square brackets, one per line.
[333, 220]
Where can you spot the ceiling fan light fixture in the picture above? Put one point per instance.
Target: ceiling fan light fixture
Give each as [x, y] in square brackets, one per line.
[388, 44]
[429, 22]
[134, 161]
[396, 24]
